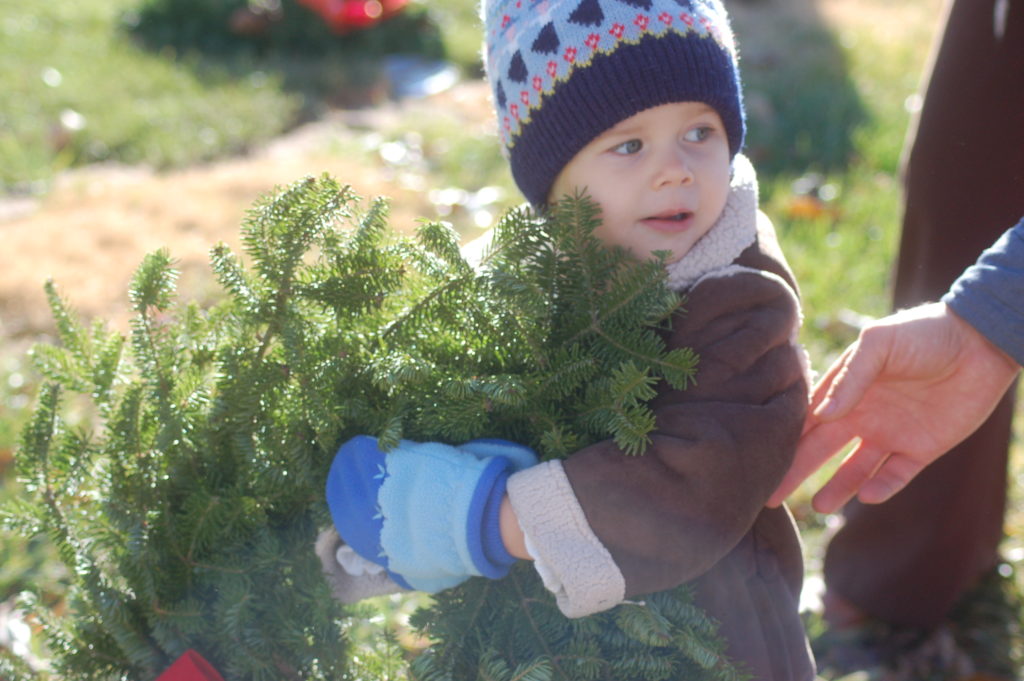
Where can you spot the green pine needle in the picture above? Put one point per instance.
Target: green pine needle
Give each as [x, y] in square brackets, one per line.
[186, 497]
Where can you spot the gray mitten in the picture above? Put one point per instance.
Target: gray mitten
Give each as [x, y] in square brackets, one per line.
[352, 577]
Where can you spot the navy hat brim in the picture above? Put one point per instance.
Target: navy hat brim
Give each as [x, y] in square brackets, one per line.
[655, 70]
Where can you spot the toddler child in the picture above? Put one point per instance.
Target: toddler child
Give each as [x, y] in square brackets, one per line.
[638, 104]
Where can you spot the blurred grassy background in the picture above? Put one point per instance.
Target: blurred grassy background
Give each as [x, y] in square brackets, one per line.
[830, 88]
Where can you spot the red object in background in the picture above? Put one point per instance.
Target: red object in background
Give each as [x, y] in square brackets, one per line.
[344, 16]
[191, 666]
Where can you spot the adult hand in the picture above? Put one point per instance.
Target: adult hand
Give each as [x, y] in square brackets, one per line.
[912, 386]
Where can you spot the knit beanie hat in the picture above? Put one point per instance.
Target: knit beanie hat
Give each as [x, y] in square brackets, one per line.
[564, 71]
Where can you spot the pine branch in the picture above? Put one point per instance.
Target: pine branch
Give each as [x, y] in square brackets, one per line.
[186, 506]
[548, 655]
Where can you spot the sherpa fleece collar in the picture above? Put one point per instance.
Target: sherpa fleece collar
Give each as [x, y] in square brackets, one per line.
[735, 230]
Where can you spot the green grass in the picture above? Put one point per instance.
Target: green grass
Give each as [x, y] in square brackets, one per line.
[77, 89]
[844, 117]
[164, 83]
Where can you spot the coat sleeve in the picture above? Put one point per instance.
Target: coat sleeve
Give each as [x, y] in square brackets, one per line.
[990, 293]
[603, 526]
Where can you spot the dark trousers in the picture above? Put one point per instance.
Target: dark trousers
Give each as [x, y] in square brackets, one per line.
[907, 561]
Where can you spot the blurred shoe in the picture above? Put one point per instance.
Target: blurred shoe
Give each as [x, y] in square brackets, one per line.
[981, 640]
[988, 624]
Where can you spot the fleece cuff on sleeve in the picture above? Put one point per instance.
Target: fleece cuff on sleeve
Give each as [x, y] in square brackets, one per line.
[572, 561]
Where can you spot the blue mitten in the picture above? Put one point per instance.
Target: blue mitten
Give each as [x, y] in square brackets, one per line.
[427, 512]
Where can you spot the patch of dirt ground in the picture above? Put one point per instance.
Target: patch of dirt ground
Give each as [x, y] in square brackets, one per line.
[93, 229]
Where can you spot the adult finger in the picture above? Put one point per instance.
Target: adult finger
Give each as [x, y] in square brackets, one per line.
[824, 384]
[817, 446]
[859, 467]
[891, 477]
[855, 376]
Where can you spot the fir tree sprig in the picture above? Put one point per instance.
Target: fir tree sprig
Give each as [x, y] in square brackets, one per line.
[187, 500]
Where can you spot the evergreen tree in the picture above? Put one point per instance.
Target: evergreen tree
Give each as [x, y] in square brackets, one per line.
[186, 496]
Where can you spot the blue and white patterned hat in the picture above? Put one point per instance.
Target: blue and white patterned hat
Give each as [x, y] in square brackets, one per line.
[564, 71]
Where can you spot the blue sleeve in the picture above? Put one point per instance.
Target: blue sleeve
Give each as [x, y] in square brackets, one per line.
[989, 295]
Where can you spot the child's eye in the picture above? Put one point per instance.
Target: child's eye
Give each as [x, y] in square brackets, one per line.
[698, 134]
[629, 147]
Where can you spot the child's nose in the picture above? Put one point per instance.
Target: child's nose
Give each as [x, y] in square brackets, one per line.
[673, 168]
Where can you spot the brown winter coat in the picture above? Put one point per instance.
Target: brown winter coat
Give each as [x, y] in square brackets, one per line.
[691, 508]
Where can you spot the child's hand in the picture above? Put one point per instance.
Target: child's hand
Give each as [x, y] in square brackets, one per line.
[427, 512]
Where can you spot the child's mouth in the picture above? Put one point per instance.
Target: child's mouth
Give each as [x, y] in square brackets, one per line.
[669, 222]
[668, 215]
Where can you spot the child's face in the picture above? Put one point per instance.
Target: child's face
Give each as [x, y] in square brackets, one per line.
[661, 178]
